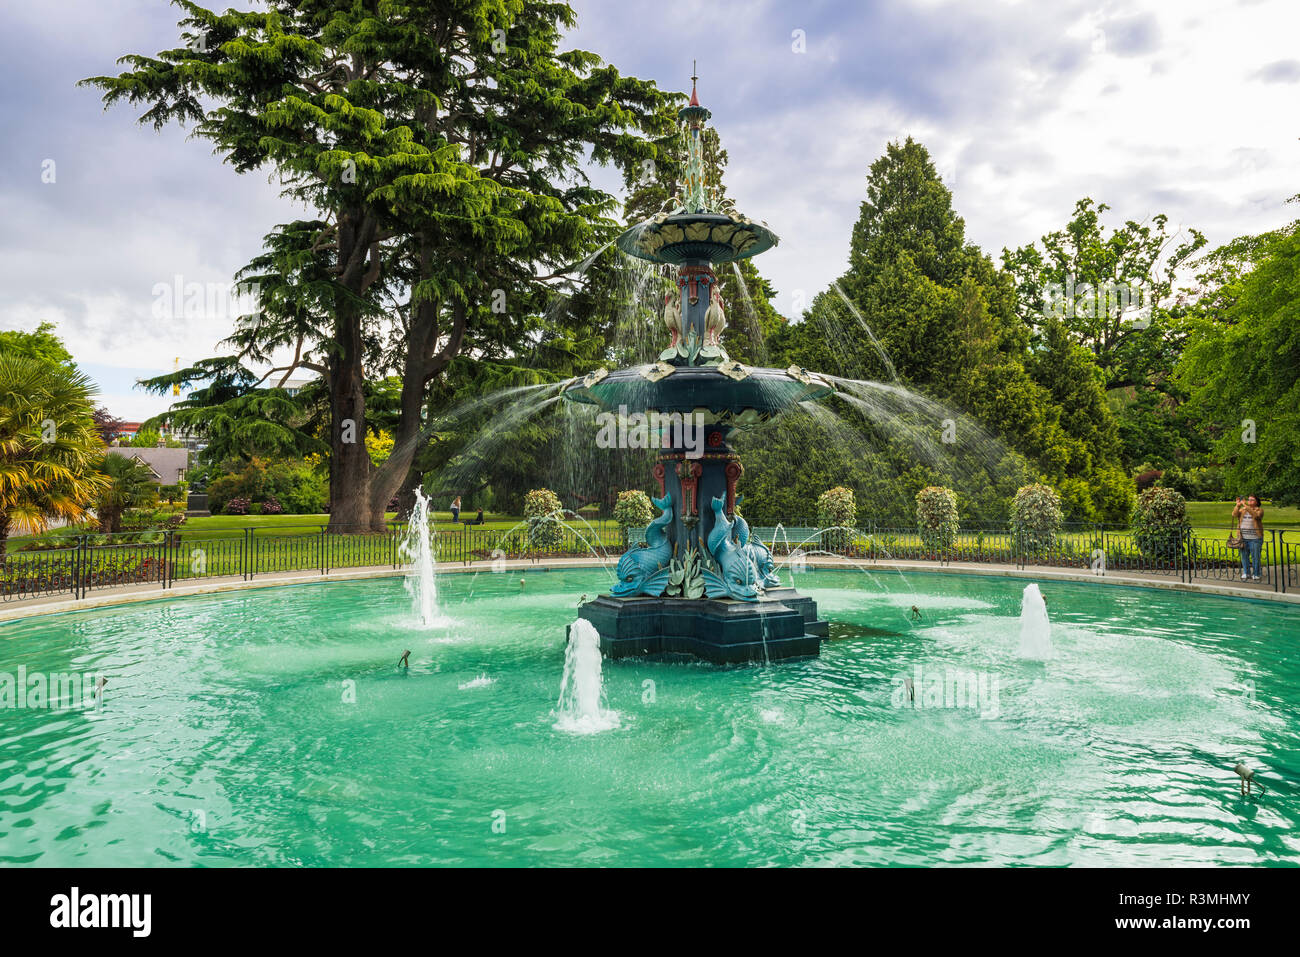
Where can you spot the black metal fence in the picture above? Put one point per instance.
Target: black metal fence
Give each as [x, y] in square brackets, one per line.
[1178, 552]
[92, 563]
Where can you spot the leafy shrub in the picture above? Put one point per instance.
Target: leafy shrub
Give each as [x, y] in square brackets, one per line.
[1159, 522]
[173, 493]
[836, 507]
[1196, 484]
[149, 519]
[633, 509]
[1035, 518]
[1075, 495]
[936, 517]
[542, 509]
[299, 487]
[1113, 494]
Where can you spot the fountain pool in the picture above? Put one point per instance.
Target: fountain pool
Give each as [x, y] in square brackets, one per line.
[274, 727]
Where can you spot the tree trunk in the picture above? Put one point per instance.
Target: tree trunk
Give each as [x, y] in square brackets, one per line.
[406, 494]
[407, 437]
[422, 364]
[350, 462]
[350, 467]
[4, 537]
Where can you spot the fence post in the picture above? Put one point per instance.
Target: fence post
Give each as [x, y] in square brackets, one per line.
[245, 555]
[1277, 565]
[320, 545]
[78, 567]
[1184, 541]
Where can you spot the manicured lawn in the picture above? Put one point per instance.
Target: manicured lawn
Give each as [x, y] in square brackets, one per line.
[1220, 513]
[216, 526]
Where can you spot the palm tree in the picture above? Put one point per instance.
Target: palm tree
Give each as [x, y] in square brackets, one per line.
[129, 483]
[49, 446]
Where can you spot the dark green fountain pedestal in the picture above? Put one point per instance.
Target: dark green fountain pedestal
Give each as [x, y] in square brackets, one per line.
[779, 626]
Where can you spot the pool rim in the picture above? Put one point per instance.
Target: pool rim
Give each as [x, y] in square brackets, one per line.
[15, 613]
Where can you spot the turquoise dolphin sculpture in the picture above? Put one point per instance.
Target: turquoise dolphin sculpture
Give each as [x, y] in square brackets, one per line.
[644, 570]
[739, 578]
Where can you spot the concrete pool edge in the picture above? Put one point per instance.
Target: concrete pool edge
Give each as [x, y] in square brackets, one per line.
[128, 595]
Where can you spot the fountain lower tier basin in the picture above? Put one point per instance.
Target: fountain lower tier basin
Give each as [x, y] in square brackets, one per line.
[692, 388]
[781, 625]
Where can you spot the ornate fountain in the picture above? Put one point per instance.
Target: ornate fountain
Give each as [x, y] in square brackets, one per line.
[700, 584]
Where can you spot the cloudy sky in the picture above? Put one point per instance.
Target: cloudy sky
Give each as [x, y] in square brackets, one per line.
[1186, 108]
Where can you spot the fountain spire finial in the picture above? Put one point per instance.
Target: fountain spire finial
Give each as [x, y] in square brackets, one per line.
[693, 116]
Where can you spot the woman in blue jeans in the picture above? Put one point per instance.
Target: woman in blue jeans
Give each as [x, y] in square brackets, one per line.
[1249, 516]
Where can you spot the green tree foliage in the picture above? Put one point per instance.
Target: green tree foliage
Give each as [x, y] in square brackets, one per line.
[442, 146]
[1111, 291]
[947, 325]
[1242, 367]
[42, 343]
[238, 416]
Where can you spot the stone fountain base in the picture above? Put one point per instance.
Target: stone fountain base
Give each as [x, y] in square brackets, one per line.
[781, 625]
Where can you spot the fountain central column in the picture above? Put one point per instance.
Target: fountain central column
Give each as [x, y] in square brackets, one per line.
[702, 583]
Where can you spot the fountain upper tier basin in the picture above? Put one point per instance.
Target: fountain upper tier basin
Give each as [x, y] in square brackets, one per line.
[697, 238]
[689, 388]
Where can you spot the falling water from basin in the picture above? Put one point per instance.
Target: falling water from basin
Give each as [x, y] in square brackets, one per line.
[417, 551]
[1035, 626]
[581, 709]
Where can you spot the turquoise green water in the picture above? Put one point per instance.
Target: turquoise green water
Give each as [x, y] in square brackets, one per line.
[274, 728]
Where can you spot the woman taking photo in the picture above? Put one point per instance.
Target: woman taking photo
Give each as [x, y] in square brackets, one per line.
[1249, 516]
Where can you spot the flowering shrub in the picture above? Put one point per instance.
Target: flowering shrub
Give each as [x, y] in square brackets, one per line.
[542, 509]
[236, 506]
[633, 509]
[936, 517]
[1159, 522]
[1035, 517]
[836, 507]
[272, 506]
